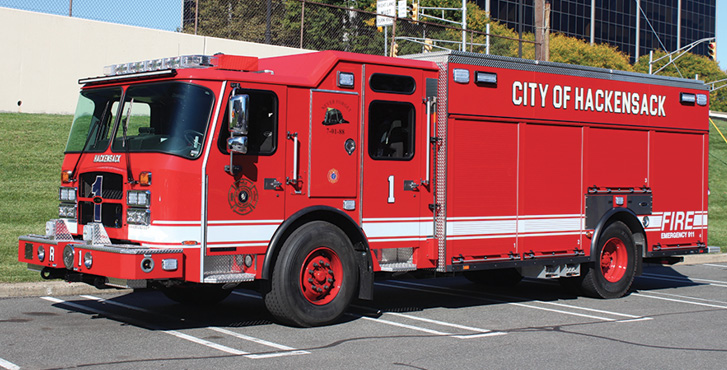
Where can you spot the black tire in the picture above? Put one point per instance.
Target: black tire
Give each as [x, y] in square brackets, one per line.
[314, 278]
[503, 278]
[613, 271]
[197, 294]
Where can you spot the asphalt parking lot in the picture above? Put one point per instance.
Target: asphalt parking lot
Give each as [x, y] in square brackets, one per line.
[673, 318]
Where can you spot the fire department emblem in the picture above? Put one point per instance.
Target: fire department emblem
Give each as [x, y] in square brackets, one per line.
[333, 176]
[242, 197]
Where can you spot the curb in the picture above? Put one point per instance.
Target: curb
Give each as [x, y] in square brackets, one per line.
[699, 259]
[51, 288]
[61, 288]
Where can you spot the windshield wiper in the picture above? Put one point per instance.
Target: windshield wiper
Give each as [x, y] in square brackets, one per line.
[124, 128]
[88, 139]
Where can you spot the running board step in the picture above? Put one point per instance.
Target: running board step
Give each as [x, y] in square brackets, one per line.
[398, 267]
[228, 278]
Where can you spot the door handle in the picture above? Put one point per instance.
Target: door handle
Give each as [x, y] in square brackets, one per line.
[294, 137]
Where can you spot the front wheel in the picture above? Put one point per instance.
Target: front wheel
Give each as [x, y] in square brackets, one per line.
[314, 278]
[613, 272]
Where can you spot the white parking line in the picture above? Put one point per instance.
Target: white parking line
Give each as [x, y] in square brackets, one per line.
[393, 323]
[478, 332]
[289, 350]
[687, 297]
[206, 343]
[714, 265]
[596, 310]
[170, 332]
[442, 323]
[5, 364]
[680, 301]
[247, 295]
[717, 283]
[469, 294]
[102, 300]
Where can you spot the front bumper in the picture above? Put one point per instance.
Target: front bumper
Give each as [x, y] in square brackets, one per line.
[58, 255]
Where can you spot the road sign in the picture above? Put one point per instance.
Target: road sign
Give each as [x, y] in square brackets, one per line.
[402, 9]
[385, 7]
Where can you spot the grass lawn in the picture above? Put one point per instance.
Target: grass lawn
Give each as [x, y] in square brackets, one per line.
[31, 153]
[717, 235]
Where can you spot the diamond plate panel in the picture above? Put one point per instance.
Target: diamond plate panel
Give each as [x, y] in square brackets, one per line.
[440, 226]
[226, 264]
[58, 230]
[95, 234]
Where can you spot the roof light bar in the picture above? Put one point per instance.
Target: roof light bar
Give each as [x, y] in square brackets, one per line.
[166, 72]
[184, 61]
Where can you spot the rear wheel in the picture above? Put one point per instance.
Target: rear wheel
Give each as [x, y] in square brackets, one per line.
[314, 278]
[614, 269]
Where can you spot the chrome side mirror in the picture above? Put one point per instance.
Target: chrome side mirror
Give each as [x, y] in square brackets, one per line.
[238, 114]
[237, 144]
[238, 110]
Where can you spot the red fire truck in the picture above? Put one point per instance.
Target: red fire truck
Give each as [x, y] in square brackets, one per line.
[310, 174]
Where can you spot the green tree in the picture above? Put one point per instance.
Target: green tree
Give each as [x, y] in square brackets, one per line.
[246, 20]
[691, 65]
[571, 50]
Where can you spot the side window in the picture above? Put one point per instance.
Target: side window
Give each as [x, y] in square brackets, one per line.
[262, 127]
[391, 130]
[393, 84]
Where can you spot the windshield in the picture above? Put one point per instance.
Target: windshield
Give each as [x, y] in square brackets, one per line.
[168, 117]
[93, 120]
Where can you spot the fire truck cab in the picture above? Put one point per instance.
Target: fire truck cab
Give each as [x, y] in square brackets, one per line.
[309, 174]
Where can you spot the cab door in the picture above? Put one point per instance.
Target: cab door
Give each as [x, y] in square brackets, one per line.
[395, 194]
[334, 152]
[245, 202]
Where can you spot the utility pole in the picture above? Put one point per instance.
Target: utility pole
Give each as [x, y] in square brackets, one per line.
[268, 16]
[520, 28]
[593, 21]
[546, 32]
[539, 28]
[542, 30]
[638, 31]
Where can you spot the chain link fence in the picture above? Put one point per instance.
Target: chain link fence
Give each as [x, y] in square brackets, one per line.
[318, 26]
[293, 23]
[157, 14]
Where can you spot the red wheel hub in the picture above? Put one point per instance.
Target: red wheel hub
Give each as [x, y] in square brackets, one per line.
[321, 276]
[614, 259]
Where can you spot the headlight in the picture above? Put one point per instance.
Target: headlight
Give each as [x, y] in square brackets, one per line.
[137, 216]
[67, 210]
[138, 198]
[66, 194]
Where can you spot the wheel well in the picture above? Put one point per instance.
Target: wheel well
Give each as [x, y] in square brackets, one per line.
[317, 213]
[629, 218]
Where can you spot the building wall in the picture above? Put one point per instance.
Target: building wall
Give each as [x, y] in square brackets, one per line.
[44, 55]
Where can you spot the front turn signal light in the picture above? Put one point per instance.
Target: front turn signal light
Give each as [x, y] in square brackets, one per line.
[66, 176]
[145, 178]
